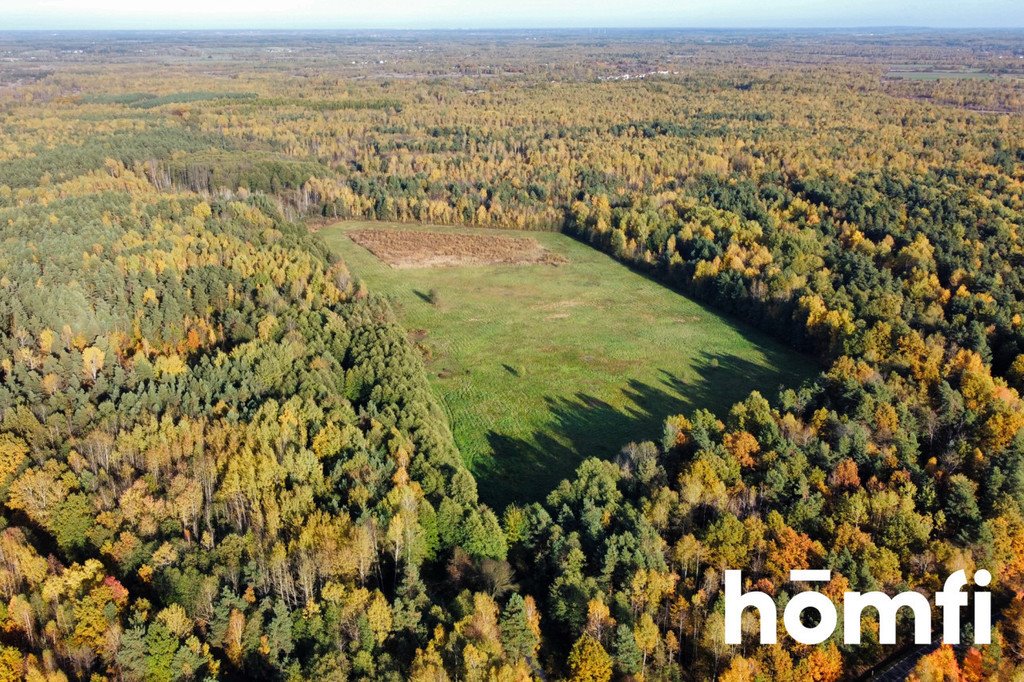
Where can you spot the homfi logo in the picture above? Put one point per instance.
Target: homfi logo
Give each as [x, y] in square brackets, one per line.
[950, 599]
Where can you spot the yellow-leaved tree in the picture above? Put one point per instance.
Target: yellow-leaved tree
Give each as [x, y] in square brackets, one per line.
[589, 662]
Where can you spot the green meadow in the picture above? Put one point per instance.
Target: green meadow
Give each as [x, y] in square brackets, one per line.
[541, 366]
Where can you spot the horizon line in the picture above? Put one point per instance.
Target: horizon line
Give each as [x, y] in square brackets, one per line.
[410, 29]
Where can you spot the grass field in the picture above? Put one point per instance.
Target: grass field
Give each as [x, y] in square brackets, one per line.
[540, 366]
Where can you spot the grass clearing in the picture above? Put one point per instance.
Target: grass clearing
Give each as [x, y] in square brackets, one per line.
[542, 366]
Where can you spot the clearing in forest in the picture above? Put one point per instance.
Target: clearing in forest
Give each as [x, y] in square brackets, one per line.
[540, 366]
[424, 249]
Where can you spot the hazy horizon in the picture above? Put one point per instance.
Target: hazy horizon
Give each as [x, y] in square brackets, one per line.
[894, 28]
[63, 15]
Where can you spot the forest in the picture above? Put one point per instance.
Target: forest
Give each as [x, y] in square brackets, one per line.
[221, 456]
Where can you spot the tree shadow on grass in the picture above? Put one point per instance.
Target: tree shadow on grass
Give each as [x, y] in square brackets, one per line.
[524, 470]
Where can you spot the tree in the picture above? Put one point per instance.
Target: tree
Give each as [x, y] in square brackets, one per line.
[740, 670]
[161, 646]
[1013, 630]
[93, 359]
[11, 664]
[628, 658]
[823, 664]
[484, 538]
[517, 637]
[589, 662]
[962, 505]
[938, 666]
[599, 619]
[646, 634]
[13, 453]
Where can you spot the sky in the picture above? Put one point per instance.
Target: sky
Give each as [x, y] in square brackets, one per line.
[341, 14]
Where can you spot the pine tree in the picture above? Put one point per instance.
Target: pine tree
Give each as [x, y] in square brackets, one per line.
[627, 654]
[517, 637]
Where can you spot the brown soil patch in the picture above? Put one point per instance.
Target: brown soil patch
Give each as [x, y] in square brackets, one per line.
[418, 249]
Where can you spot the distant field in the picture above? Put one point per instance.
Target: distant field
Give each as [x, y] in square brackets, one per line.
[424, 249]
[541, 365]
[934, 75]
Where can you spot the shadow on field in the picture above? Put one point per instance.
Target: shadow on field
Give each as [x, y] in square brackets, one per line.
[526, 470]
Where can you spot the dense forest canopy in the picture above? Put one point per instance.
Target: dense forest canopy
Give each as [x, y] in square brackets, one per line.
[219, 456]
